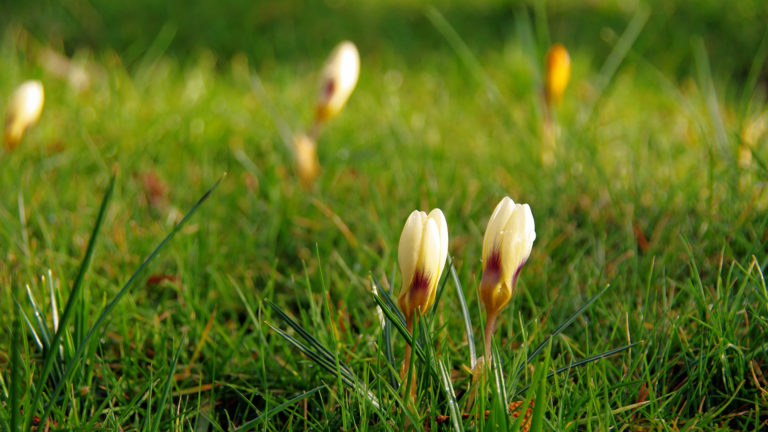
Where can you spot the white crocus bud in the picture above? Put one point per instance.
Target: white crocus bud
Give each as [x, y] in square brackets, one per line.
[421, 254]
[23, 111]
[338, 81]
[506, 246]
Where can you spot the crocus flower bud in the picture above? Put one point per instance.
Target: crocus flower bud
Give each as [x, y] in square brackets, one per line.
[23, 111]
[307, 166]
[339, 79]
[506, 247]
[421, 254]
[557, 74]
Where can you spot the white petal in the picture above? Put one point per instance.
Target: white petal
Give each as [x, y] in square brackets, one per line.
[410, 244]
[439, 218]
[341, 70]
[430, 259]
[519, 235]
[496, 224]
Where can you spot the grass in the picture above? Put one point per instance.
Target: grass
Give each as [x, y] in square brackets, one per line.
[650, 202]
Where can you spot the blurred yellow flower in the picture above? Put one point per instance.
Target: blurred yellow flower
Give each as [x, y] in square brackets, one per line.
[23, 111]
[421, 254]
[338, 81]
[557, 74]
[307, 165]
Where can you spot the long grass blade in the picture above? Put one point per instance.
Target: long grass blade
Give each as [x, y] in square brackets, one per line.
[72, 364]
[464, 315]
[77, 287]
[30, 326]
[563, 326]
[39, 318]
[322, 356]
[386, 335]
[616, 57]
[391, 305]
[166, 389]
[582, 362]
[316, 344]
[450, 394]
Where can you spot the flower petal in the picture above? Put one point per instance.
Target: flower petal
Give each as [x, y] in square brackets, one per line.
[437, 216]
[410, 245]
[496, 224]
[429, 262]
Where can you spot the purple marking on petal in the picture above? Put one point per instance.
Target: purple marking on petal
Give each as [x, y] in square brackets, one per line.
[517, 272]
[419, 283]
[330, 86]
[493, 264]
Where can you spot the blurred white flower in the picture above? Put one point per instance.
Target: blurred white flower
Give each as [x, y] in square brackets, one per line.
[338, 81]
[23, 111]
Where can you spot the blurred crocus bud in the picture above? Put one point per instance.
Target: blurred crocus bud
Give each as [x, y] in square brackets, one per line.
[307, 165]
[558, 73]
[23, 111]
[506, 246]
[338, 81]
[421, 254]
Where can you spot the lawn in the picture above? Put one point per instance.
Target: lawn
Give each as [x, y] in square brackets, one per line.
[173, 120]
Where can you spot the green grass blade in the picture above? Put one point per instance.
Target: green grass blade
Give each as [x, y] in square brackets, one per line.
[616, 57]
[166, 389]
[16, 376]
[39, 317]
[754, 74]
[563, 326]
[316, 344]
[400, 326]
[582, 362]
[72, 364]
[386, 335]
[464, 314]
[77, 287]
[391, 305]
[30, 326]
[710, 96]
[540, 395]
[450, 394]
[267, 415]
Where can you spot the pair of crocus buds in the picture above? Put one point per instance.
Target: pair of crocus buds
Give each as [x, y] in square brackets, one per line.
[423, 249]
[338, 80]
[23, 112]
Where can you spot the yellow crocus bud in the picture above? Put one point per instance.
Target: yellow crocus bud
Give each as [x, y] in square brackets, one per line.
[307, 165]
[23, 112]
[421, 254]
[506, 247]
[557, 74]
[338, 81]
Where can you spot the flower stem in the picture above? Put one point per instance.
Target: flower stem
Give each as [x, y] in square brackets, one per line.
[490, 322]
[407, 362]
